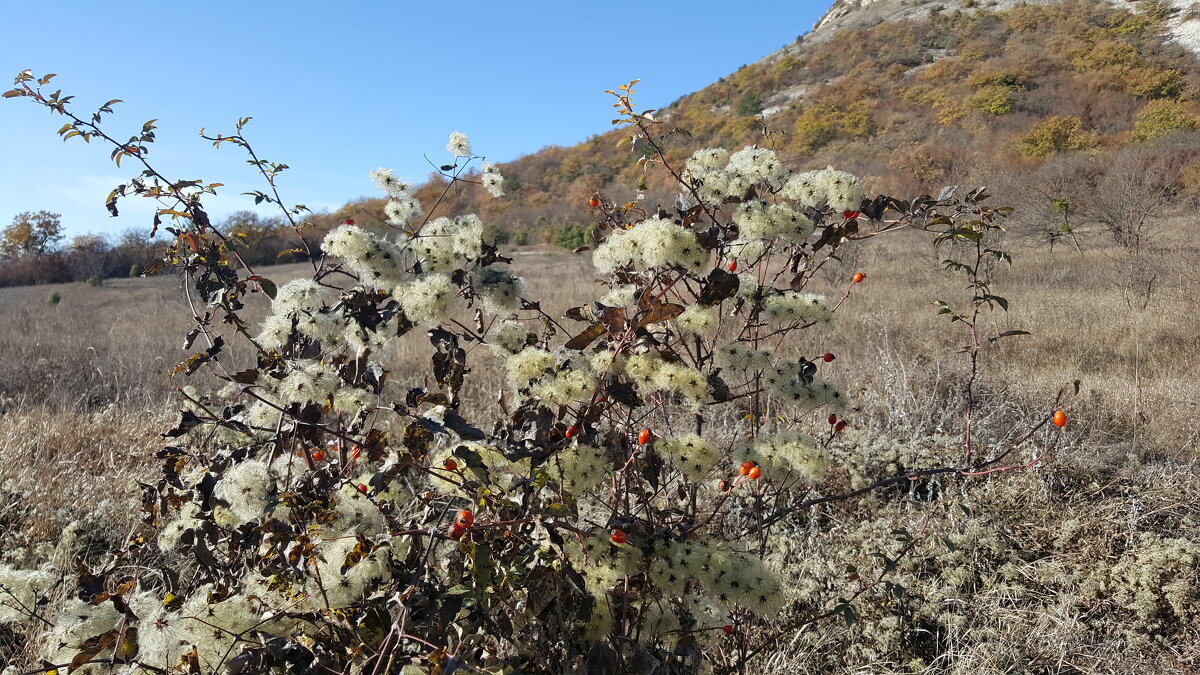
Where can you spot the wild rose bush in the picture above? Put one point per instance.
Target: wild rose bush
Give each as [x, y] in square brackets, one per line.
[312, 518]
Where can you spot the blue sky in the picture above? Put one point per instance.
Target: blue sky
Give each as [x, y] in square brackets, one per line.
[336, 91]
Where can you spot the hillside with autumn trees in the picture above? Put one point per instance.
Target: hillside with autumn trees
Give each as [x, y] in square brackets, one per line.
[1045, 101]
[910, 105]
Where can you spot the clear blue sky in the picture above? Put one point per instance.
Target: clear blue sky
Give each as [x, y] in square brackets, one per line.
[338, 89]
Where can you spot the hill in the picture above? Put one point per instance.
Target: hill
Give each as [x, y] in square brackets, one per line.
[1036, 100]
[911, 97]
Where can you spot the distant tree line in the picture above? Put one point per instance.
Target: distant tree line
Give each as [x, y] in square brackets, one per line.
[34, 250]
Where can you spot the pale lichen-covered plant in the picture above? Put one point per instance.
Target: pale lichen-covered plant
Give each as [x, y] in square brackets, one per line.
[614, 518]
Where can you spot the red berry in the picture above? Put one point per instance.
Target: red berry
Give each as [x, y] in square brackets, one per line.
[755, 473]
[465, 519]
[644, 437]
[745, 467]
[450, 465]
[828, 357]
[348, 221]
[455, 531]
[618, 536]
[832, 419]
[318, 456]
[733, 266]
[593, 202]
[1060, 418]
[840, 425]
[849, 214]
[362, 487]
[572, 431]
[355, 452]
[858, 277]
[728, 629]
[723, 485]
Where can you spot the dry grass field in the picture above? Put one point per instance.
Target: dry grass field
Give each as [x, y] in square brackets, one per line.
[1086, 563]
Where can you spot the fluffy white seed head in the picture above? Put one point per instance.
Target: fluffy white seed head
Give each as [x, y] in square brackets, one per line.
[492, 181]
[427, 300]
[580, 467]
[528, 365]
[21, 590]
[401, 210]
[459, 145]
[508, 336]
[296, 296]
[246, 488]
[790, 307]
[391, 184]
[500, 289]
[649, 244]
[697, 320]
[691, 454]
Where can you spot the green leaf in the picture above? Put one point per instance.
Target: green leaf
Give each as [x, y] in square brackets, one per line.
[267, 285]
[846, 611]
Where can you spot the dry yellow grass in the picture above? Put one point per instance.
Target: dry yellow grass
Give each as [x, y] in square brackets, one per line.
[83, 399]
[104, 350]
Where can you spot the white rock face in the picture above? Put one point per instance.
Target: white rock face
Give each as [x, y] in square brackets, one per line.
[867, 13]
[1183, 27]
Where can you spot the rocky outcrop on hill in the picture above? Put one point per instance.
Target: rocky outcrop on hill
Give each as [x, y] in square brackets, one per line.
[1183, 24]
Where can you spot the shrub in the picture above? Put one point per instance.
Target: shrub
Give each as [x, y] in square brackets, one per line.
[317, 515]
[1114, 56]
[1055, 135]
[1163, 117]
[992, 100]
[571, 236]
[54, 299]
[821, 123]
[510, 184]
[997, 78]
[1156, 83]
[749, 105]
